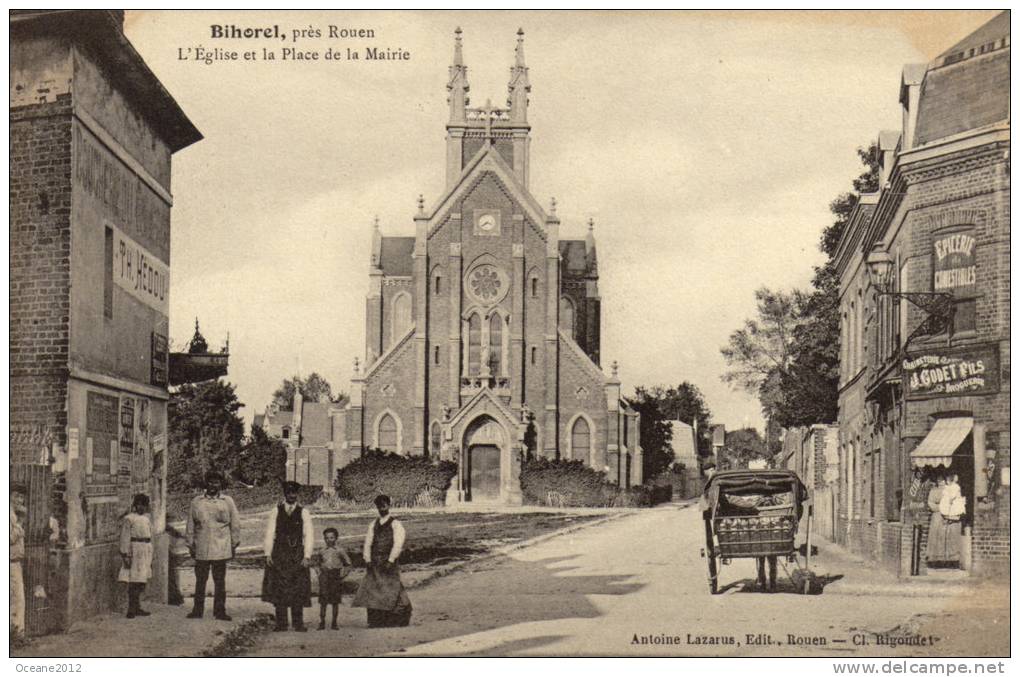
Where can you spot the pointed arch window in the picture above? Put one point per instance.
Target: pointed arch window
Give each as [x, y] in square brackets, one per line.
[387, 433]
[580, 440]
[436, 439]
[474, 345]
[401, 315]
[495, 344]
[567, 316]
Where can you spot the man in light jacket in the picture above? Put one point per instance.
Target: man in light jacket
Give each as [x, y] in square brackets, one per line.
[213, 535]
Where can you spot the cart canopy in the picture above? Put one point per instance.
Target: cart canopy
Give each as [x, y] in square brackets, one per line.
[753, 482]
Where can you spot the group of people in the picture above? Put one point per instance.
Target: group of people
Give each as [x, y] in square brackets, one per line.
[214, 534]
[948, 507]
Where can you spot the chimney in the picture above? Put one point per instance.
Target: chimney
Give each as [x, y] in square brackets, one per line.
[887, 143]
[910, 95]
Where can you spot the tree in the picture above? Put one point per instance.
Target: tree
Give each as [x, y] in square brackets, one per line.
[263, 460]
[314, 388]
[743, 446]
[658, 405]
[205, 432]
[761, 351]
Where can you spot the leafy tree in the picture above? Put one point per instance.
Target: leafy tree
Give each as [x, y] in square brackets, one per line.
[263, 460]
[743, 446]
[658, 405]
[314, 388]
[761, 351]
[205, 432]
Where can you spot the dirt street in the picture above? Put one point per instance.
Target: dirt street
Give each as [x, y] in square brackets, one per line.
[636, 586]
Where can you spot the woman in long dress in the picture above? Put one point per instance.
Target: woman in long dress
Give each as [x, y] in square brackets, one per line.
[936, 552]
[381, 591]
[136, 553]
[952, 506]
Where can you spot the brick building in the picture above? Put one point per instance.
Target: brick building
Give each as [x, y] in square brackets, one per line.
[312, 432]
[92, 132]
[924, 385]
[482, 328]
[813, 453]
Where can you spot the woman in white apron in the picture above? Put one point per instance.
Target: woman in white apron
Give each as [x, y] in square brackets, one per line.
[136, 553]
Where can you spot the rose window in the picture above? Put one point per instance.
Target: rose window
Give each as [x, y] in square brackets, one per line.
[487, 284]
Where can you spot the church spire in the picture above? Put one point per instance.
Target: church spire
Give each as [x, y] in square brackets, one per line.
[519, 87]
[458, 85]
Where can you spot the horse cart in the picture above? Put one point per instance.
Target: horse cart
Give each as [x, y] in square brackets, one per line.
[754, 514]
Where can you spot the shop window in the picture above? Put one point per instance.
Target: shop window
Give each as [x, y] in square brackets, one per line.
[965, 319]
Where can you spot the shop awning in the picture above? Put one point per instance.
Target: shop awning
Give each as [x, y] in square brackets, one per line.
[943, 439]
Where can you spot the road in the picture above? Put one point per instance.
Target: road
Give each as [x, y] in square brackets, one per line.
[636, 586]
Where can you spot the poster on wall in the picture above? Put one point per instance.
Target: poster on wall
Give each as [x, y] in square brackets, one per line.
[952, 372]
[954, 264]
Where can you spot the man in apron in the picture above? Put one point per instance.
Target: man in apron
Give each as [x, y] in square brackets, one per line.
[381, 591]
[287, 582]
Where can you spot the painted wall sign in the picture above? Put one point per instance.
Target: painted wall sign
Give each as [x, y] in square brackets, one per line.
[947, 373]
[139, 273]
[954, 263]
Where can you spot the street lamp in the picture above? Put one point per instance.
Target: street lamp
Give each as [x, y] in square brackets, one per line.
[938, 306]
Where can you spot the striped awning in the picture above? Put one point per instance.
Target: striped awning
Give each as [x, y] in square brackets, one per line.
[943, 439]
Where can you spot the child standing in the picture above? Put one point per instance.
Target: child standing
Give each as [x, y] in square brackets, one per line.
[136, 552]
[333, 565]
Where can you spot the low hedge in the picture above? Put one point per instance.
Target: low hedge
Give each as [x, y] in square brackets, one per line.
[407, 480]
[563, 483]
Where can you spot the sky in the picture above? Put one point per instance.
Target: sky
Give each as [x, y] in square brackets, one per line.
[706, 146]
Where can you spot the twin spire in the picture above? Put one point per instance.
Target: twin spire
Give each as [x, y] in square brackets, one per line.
[458, 87]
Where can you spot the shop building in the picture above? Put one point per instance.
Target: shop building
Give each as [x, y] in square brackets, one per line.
[924, 299]
[92, 133]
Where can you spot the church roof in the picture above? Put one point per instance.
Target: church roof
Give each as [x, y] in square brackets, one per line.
[576, 260]
[395, 258]
[967, 87]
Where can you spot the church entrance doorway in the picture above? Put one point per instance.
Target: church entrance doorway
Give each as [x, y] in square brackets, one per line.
[483, 472]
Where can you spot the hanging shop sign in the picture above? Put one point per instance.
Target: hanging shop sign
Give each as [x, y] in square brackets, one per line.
[973, 370]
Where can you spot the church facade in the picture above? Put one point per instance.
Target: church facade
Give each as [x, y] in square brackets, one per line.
[482, 328]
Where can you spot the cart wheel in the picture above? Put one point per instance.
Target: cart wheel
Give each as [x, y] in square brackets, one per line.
[713, 575]
[761, 572]
[772, 573]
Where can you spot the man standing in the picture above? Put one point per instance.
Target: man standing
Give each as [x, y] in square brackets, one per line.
[381, 591]
[213, 535]
[287, 582]
[18, 513]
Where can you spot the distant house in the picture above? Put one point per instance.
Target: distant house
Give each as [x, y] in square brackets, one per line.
[311, 431]
[684, 447]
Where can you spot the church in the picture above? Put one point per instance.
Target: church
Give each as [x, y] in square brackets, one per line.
[483, 326]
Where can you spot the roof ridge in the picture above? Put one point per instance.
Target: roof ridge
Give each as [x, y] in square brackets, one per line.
[377, 365]
[582, 357]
